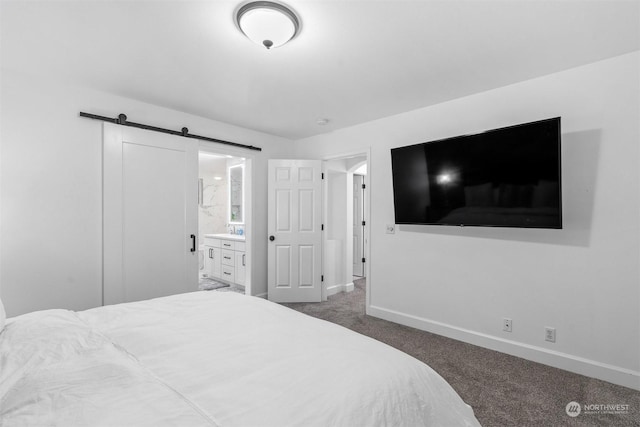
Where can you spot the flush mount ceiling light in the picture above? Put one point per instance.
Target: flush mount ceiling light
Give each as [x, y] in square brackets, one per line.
[267, 23]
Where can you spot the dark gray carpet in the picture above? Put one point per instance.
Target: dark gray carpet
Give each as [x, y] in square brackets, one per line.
[503, 390]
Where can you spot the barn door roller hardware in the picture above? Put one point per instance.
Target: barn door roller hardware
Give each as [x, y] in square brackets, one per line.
[122, 120]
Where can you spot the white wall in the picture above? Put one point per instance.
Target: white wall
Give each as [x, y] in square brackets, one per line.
[51, 200]
[213, 213]
[583, 280]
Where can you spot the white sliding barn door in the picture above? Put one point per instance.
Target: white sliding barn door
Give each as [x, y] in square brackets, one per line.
[294, 227]
[150, 183]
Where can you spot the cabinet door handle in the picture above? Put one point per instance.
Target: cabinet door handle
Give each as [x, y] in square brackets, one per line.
[193, 243]
[243, 259]
[211, 253]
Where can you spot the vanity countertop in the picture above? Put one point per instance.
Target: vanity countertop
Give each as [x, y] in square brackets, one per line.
[227, 236]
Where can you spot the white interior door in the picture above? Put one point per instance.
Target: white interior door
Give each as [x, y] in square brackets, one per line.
[150, 183]
[294, 227]
[358, 228]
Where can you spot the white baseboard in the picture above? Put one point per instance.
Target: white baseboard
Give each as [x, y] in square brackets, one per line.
[568, 362]
[262, 295]
[332, 290]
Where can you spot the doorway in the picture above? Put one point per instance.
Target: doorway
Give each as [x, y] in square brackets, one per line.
[152, 238]
[346, 208]
[359, 221]
[224, 212]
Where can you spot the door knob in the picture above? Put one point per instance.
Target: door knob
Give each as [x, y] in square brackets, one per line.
[272, 238]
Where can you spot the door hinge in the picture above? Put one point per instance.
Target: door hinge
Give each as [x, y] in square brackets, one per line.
[322, 278]
[322, 175]
[322, 227]
[363, 260]
[364, 223]
[364, 186]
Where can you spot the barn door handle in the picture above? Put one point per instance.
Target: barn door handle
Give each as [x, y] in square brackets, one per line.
[193, 243]
[272, 238]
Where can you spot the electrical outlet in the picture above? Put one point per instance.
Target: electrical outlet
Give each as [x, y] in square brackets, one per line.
[506, 324]
[391, 228]
[550, 334]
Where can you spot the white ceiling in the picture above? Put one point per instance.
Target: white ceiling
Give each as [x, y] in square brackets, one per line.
[353, 62]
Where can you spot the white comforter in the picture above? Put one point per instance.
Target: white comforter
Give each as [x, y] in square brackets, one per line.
[211, 358]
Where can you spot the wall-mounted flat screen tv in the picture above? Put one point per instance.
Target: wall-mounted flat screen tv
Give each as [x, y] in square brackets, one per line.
[507, 177]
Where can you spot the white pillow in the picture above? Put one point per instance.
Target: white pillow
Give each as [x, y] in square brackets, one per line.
[3, 316]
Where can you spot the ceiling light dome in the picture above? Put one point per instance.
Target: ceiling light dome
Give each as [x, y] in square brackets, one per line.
[267, 23]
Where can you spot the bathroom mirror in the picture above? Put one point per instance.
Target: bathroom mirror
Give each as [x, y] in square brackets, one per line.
[236, 194]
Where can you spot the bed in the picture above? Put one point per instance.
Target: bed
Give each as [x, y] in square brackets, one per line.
[211, 359]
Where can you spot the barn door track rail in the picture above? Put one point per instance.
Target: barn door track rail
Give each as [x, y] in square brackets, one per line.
[122, 120]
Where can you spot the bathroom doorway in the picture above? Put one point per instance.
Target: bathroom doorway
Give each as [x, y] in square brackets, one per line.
[224, 212]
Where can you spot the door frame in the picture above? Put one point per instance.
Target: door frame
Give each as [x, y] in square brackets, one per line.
[249, 157]
[361, 226]
[113, 131]
[367, 214]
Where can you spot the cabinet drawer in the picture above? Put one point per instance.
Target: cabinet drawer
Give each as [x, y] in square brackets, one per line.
[228, 257]
[228, 273]
[210, 241]
[227, 244]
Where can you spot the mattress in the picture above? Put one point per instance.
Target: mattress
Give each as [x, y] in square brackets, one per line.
[211, 359]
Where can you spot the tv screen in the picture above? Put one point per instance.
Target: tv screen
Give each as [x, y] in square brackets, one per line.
[507, 177]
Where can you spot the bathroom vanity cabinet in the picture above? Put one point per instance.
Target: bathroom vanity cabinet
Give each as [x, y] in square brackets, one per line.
[225, 258]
